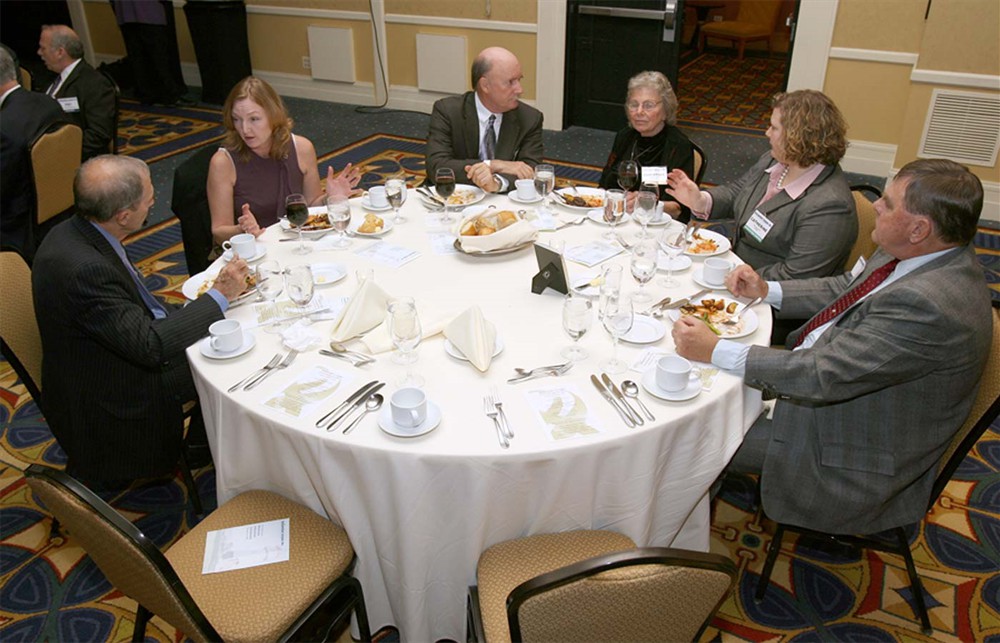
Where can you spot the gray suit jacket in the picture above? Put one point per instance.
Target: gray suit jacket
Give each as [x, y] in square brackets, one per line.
[453, 137]
[812, 235]
[864, 415]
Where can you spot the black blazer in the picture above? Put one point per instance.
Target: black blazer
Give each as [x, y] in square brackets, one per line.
[96, 116]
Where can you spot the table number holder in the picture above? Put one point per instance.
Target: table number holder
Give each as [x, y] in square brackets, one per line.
[551, 271]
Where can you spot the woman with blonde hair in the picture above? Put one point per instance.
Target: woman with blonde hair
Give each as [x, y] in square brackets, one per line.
[793, 211]
[261, 162]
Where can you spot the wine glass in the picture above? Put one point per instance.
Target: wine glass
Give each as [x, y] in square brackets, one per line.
[297, 213]
[673, 243]
[338, 211]
[404, 328]
[628, 174]
[610, 288]
[394, 191]
[617, 320]
[645, 207]
[270, 283]
[299, 286]
[614, 211]
[444, 185]
[577, 315]
[644, 257]
[545, 181]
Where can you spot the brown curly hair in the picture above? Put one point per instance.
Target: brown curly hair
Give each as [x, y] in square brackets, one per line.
[814, 129]
[258, 91]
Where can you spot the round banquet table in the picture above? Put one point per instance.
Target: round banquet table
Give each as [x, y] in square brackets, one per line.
[419, 511]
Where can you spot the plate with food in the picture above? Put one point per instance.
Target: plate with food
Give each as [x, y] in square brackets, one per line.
[718, 314]
[316, 224]
[463, 195]
[706, 243]
[199, 284]
[371, 226]
[579, 199]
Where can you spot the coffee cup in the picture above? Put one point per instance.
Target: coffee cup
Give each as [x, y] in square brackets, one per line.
[245, 245]
[226, 335]
[715, 270]
[409, 407]
[673, 373]
[526, 189]
[377, 197]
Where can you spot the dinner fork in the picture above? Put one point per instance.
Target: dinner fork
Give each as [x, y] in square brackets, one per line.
[266, 367]
[284, 363]
[504, 422]
[492, 413]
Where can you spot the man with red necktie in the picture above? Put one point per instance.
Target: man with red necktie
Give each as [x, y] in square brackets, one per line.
[883, 375]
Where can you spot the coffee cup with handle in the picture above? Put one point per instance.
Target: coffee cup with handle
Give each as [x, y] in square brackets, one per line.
[244, 244]
[674, 373]
[226, 335]
[409, 407]
[526, 189]
[377, 197]
[714, 271]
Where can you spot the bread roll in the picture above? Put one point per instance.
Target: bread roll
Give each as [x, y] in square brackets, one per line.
[506, 218]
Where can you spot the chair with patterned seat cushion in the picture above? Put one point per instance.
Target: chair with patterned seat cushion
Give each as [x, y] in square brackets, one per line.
[265, 603]
[755, 20]
[595, 586]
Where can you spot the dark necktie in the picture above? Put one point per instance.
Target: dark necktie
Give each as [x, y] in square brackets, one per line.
[152, 303]
[490, 139]
[848, 299]
[54, 86]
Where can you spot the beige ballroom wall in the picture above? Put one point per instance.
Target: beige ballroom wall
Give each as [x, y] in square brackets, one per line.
[862, 24]
[872, 97]
[266, 31]
[506, 10]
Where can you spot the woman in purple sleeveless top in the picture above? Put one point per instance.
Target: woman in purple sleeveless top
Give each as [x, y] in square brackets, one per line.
[261, 162]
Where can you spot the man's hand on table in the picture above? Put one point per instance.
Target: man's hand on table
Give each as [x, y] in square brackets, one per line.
[482, 176]
[519, 169]
[694, 339]
[744, 282]
[232, 279]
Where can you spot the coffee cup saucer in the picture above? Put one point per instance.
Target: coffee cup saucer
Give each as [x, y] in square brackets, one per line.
[698, 276]
[690, 391]
[366, 203]
[386, 423]
[208, 351]
[516, 199]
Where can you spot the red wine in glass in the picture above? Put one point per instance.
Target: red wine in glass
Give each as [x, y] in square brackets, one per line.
[628, 175]
[297, 213]
[445, 186]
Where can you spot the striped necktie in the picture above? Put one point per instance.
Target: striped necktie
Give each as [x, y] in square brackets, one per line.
[152, 303]
[54, 87]
[490, 139]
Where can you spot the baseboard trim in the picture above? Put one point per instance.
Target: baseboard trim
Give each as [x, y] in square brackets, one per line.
[865, 157]
[874, 55]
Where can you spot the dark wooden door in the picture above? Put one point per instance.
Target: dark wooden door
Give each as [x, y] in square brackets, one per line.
[608, 42]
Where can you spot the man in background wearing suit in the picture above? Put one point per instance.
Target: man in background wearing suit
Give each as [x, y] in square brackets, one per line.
[87, 97]
[878, 383]
[24, 115]
[487, 136]
[114, 370]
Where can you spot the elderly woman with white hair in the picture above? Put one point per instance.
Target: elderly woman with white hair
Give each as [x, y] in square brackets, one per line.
[652, 138]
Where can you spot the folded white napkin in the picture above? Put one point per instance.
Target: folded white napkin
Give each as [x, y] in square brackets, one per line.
[365, 310]
[301, 336]
[473, 336]
[513, 235]
[379, 340]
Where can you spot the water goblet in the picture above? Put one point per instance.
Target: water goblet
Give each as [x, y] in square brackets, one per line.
[299, 285]
[673, 243]
[270, 283]
[444, 185]
[617, 319]
[404, 329]
[545, 181]
[610, 288]
[644, 258]
[297, 213]
[577, 315]
[645, 208]
[614, 211]
[394, 191]
[338, 210]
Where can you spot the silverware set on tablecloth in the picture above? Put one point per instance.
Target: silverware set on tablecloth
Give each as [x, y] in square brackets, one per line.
[258, 376]
[366, 399]
[617, 399]
[493, 408]
[523, 375]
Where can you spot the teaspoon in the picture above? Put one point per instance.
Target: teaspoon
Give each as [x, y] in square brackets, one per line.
[631, 389]
[373, 403]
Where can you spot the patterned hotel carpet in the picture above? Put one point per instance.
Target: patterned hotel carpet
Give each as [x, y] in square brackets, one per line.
[152, 133]
[53, 591]
[717, 91]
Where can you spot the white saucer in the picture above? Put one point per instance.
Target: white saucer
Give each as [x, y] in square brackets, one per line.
[206, 347]
[698, 277]
[325, 274]
[429, 424]
[645, 330]
[692, 390]
[516, 199]
[259, 254]
[452, 350]
[597, 216]
[367, 204]
[680, 262]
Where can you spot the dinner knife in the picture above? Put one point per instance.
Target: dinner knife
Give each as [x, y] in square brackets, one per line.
[354, 397]
[621, 398]
[684, 301]
[358, 403]
[611, 400]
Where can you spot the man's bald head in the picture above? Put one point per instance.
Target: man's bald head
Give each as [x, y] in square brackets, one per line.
[59, 47]
[496, 78]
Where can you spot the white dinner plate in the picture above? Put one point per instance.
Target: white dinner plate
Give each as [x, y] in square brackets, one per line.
[429, 424]
[692, 390]
[697, 275]
[748, 317]
[679, 263]
[721, 241]
[464, 194]
[645, 330]
[597, 216]
[325, 274]
[206, 347]
[387, 225]
[306, 232]
[452, 350]
[194, 283]
[579, 192]
[512, 195]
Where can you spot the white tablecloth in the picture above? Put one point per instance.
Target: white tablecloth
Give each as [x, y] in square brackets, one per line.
[419, 511]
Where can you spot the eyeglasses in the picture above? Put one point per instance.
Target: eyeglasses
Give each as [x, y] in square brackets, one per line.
[648, 106]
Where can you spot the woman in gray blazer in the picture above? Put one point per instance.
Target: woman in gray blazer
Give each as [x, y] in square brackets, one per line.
[793, 211]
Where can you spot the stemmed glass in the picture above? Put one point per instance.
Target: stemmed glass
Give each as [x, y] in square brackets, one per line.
[338, 210]
[577, 315]
[611, 285]
[614, 210]
[270, 283]
[673, 244]
[545, 181]
[617, 320]
[645, 207]
[299, 285]
[444, 185]
[404, 328]
[628, 174]
[394, 191]
[644, 257]
[297, 213]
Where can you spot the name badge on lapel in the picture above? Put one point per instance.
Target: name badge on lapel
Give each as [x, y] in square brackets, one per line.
[758, 226]
[654, 174]
[859, 267]
[70, 104]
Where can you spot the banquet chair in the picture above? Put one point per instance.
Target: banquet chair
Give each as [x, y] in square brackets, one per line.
[984, 411]
[25, 77]
[271, 602]
[55, 157]
[863, 245]
[189, 201]
[700, 163]
[755, 21]
[19, 337]
[594, 586]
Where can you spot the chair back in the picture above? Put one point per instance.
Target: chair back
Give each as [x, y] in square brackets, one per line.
[985, 409]
[25, 78]
[113, 144]
[21, 341]
[700, 163]
[189, 201]
[759, 12]
[55, 157]
[647, 594]
[863, 245]
[131, 562]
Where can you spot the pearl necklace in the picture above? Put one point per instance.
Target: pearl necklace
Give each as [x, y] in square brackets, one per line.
[781, 179]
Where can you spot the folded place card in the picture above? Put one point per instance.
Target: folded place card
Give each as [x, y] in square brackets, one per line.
[592, 253]
[261, 543]
[563, 412]
[307, 392]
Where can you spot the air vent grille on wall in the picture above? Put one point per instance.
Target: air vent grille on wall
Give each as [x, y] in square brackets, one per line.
[962, 126]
